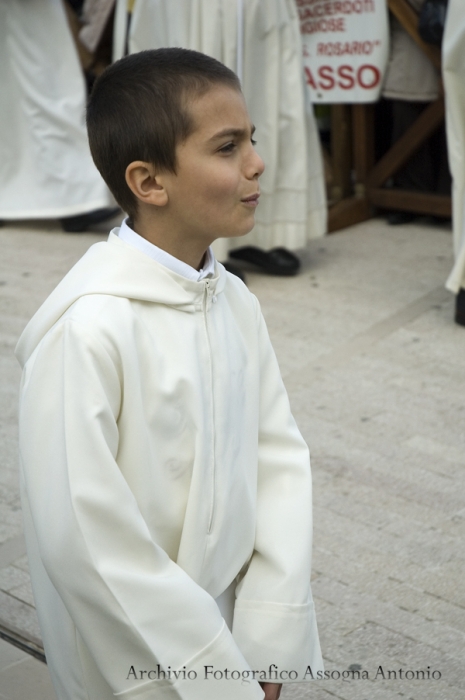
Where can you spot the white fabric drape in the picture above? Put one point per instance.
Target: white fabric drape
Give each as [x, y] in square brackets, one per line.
[293, 203]
[454, 84]
[46, 169]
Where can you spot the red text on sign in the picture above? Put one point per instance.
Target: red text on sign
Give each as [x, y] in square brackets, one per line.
[344, 77]
[346, 48]
[337, 24]
[335, 7]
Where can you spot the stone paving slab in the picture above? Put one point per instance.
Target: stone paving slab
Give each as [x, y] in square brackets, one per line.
[375, 370]
[23, 677]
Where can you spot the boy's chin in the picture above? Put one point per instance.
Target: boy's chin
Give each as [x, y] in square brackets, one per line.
[244, 230]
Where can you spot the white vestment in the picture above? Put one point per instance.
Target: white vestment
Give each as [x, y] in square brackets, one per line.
[292, 205]
[453, 49]
[160, 464]
[46, 170]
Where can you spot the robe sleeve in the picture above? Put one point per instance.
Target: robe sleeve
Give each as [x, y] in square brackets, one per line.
[274, 616]
[130, 603]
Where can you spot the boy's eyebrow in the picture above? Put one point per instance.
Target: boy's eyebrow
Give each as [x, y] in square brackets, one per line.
[233, 132]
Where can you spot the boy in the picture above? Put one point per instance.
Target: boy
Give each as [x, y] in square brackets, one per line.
[166, 488]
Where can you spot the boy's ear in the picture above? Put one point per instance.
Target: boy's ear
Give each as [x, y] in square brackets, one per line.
[144, 182]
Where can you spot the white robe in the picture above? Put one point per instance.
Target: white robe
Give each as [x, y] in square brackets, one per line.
[454, 83]
[46, 170]
[292, 206]
[160, 463]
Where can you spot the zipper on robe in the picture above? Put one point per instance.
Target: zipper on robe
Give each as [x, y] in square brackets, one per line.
[206, 307]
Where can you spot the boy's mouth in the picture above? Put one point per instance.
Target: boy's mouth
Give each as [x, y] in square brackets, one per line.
[252, 200]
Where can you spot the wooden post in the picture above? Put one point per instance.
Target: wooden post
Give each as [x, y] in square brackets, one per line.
[363, 130]
[85, 57]
[341, 151]
[358, 160]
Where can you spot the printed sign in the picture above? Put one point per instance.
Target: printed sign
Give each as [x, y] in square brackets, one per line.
[345, 47]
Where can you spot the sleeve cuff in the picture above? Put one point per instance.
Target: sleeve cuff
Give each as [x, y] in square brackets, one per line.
[218, 671]
[279, 639]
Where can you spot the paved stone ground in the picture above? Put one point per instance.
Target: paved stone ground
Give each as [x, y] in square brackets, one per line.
[375, 369]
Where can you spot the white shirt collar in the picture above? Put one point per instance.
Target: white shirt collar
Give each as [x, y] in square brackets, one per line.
[180, 268]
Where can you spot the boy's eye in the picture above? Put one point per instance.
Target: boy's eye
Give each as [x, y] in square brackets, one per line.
[228, 148]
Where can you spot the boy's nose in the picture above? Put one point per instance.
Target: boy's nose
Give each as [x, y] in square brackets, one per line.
[260, 166]
[257, 166]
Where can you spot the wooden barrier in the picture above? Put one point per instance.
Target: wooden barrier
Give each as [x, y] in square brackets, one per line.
[357, 181]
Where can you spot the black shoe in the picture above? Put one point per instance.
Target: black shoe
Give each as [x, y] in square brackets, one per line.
[82, 222]
[397, 218]
[460, 308]
[277, 261]
[234, 270]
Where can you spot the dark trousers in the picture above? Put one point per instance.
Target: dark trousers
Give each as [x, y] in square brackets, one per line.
[428, 169]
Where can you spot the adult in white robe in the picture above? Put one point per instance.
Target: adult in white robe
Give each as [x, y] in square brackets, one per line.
[266, 48]
[454, 83]
[46, 170]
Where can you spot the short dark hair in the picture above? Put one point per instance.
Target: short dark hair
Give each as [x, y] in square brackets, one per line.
[138, 110]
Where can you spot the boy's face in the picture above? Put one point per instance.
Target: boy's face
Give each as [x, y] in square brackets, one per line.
[217, 170]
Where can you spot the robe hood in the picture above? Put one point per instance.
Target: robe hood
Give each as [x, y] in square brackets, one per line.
[115, 268]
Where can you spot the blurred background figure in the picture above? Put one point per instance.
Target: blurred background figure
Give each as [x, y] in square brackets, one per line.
[454, 84]
[260, 41]
[411, 84]
[46, 170]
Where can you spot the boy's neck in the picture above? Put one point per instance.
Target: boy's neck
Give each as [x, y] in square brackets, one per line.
[190, 251]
